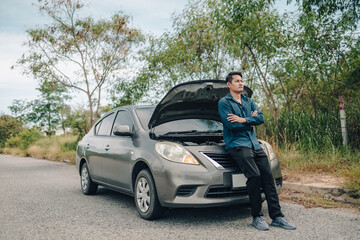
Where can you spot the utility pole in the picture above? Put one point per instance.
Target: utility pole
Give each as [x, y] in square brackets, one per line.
[343, 120]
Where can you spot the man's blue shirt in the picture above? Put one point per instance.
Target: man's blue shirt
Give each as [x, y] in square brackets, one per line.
[239, 134]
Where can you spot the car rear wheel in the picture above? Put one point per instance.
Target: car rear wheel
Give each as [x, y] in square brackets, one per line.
[146, 199]
[88, 187]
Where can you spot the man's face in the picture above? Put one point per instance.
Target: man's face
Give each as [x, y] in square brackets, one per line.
[236, 84]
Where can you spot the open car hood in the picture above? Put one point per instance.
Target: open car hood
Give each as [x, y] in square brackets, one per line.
[192, 100]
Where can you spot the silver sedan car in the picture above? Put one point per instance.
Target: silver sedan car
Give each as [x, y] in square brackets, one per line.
[167, 156]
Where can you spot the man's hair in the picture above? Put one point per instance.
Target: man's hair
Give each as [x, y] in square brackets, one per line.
[229, 76]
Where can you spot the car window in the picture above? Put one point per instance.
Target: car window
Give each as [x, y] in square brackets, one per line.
[104, 127]
[123, 118]
[144, 115]
[201, 125]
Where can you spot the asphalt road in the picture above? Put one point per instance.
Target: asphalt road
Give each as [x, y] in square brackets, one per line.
[40, 199]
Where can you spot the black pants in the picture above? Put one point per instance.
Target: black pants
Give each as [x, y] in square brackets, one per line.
[255, 166]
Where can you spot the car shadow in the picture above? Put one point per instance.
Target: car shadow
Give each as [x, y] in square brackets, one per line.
[120, 198]
[182, 215]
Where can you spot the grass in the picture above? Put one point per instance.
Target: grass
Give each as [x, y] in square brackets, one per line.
[340, 162]
[56, 148]
[14, 151]
[311, 142]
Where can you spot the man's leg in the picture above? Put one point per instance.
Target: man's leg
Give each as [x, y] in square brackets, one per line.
[245, 160]
[267, 182]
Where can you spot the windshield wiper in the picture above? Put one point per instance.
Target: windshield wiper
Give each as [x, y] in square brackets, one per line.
[181, 132]
[216, 131]
[193, 132]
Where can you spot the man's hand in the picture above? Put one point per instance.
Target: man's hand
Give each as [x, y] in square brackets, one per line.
[234, 118]
[254, 113]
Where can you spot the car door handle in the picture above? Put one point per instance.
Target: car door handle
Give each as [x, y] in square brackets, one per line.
[107, 147]
[87, 146]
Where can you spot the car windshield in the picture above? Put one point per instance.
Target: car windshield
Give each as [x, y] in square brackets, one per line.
[184, 125]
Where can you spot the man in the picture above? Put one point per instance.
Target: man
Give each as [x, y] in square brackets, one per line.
[239, 114]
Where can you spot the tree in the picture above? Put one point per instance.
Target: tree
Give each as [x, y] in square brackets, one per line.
[47, 109]
[195, 49]
[347, 11]
[79, 53]
[319, 41]
[44, 111]
[320, 64]
[19, 110]
[78, 120]
[254, 31]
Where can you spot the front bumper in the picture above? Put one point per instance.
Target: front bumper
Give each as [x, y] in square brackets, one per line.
[183, 185]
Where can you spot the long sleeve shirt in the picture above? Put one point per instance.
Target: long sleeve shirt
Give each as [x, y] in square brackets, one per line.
[239, 134]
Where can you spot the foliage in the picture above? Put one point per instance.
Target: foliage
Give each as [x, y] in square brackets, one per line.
[310, 132]
[24, 139]
[195, 49]
[312, 75]
[129, 91]
[19, 109]
[78, 120]
[254, 30]
[79, 53]
[44, 111]
[297, 63]
[9, 127]
[30, 143]
[48, 108]
[347, 11]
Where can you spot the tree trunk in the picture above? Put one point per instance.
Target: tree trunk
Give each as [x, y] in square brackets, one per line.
[91, 110]
[267, 89]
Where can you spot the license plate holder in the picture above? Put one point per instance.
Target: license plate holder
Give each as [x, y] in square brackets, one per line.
[238, 181]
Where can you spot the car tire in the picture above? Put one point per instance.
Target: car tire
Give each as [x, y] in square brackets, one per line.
[88, 187]
[146, 199]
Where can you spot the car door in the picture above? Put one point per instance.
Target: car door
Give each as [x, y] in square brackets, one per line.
[117, 160]
[95, 145]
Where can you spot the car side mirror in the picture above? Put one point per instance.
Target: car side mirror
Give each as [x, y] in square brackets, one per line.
[122, 130]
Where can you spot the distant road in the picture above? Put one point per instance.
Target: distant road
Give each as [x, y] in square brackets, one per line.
[40, 199]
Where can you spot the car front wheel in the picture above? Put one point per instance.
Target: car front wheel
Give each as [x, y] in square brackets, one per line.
[88, 187]
[146, 198]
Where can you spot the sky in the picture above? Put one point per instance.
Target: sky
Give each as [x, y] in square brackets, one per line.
[151, 16]
[18, 15]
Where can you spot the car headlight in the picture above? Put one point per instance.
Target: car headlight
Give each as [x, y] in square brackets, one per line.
[175, 152]
[270, 150]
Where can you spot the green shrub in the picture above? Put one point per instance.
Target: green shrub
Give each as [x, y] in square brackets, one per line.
[24, 139]
[9, 127]
[69, 146]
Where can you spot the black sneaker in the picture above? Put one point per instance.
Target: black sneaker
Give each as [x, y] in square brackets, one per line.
[260, 223]
[283, 223]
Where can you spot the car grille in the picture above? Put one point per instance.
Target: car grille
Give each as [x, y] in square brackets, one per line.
[223, 192]
[186, 191]
[223, 159]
